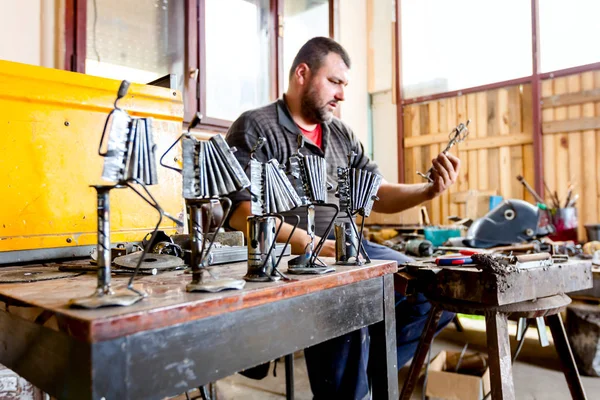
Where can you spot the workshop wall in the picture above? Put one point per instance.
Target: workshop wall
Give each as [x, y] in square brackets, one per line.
[380, 75]
[34, 28]
[571, 141]
[499, 146]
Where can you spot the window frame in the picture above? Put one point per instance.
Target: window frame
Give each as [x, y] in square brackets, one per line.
[535, 79]
[195, 56]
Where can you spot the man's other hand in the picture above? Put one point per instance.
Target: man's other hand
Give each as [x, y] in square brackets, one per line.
[328, 249]
[445, 173]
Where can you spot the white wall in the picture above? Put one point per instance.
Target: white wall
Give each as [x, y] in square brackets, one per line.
[384, 117]
[353, 36]
[28, 30]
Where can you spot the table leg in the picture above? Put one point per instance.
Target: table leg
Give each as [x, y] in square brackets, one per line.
[384, 371]
[498, 343]
[566, 356]
[422, 350]
[289, 377]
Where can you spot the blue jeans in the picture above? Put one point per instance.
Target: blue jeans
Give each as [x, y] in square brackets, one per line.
[337, 368]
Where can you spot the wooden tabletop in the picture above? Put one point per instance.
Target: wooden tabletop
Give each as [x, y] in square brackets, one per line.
[468, 283]
[168, 303]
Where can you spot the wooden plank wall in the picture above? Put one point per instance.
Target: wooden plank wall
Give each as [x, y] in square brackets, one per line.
[499, 146]
[571, 141]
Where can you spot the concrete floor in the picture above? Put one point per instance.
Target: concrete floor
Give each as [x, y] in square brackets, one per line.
[536, 373]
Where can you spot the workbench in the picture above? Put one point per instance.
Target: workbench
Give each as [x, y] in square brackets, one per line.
[526, 293]
[173, 340]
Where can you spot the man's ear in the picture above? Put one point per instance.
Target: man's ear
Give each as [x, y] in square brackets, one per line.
[302, 73]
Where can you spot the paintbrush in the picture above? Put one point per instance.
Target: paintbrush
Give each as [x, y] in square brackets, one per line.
[550, 195]
[530, 189]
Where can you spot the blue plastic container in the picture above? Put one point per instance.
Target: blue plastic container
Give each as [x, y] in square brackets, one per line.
[438, 236]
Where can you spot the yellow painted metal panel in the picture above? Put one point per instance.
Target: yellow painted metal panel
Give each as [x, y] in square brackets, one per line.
[50, 126]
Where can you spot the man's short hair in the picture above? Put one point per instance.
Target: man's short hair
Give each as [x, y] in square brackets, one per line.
[314, 52]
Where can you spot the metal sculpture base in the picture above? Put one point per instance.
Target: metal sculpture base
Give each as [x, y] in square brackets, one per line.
[261, 278]
[301, 266]
[308, 270]
[121, 297]
[215, 285]
[200, 256]
[309, 263]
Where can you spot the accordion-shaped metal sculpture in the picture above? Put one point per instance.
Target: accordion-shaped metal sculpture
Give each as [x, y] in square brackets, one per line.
[309, 177]
[357, 190]
[210, 169]
[271, 190]
[271, 194]
[129, 159]
[130, 150]
[210, 172]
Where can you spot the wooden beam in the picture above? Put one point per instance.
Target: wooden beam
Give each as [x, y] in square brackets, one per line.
[568, 99]
[571, 125]
[513, 139]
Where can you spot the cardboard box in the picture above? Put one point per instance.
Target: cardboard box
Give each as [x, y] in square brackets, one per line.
[444, 383]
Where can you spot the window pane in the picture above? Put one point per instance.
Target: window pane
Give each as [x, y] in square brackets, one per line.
[135, 40]
[302, 20]
[237, 56]
[568, 33]
[451, 45]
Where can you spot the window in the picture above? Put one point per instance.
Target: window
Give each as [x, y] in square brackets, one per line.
[568, 33]
[236, 41]
[140, 41]
[451, 45]
[302, 20]
[229, 56]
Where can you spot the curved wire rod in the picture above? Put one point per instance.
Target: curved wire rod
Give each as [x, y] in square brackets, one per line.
[146, 250]
[294, 226]
[350, 217]
[226, 212]
[360, 244]
[168, 150]
[360, 239]
[327, 231]
[103, 154]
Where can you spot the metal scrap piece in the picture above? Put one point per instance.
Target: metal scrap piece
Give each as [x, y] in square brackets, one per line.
[232, 164]
[258, 206]
[191, 187]
[490, 263]
[114, 160]
[151, 153]
[33, 274]
[151, 260]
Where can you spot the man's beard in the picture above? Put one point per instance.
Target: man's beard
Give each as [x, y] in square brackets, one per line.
[311, 109]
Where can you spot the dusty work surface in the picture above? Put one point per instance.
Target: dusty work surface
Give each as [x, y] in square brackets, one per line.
[168, 303]
[467, 283]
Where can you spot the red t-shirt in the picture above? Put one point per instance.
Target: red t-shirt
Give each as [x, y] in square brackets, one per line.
[316, 135]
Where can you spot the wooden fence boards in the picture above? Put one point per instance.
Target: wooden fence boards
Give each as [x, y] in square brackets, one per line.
[499, 146]
[588, 187]
[571, 141]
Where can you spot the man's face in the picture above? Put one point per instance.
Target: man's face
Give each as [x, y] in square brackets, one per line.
[324, 89]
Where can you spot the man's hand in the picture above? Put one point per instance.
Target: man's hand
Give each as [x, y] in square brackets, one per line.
[445, 172]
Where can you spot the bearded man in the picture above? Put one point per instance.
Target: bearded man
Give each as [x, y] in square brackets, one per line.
[317, 81]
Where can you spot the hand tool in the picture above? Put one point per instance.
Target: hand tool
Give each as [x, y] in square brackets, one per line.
[453, 260]
[458, 135]
[530, 189]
